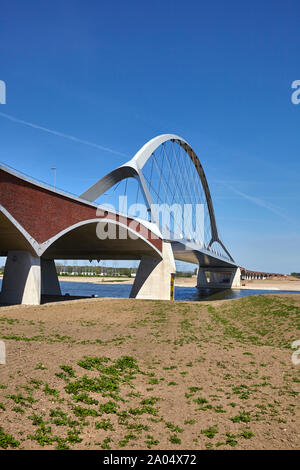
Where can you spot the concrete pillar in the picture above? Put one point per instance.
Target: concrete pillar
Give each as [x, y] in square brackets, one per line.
[153, 277]
[21, 282]
[220, 278]
[236, 278]
[49, 281]
[202, 280]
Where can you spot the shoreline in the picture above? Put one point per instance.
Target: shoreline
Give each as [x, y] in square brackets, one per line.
[290, 284]
[266, 284]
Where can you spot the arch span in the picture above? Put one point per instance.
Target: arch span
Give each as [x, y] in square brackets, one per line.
[81, 241]
[189, 190]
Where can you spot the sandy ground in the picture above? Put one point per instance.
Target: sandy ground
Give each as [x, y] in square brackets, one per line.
[133, 374]
[289, 284]
[97, 280]
[179, 281]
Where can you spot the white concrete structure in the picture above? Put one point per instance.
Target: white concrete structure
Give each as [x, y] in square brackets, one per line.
[153, 278]
[212, 256]
[22, 279]
[134, 169]
[26, 277]
[220, 278]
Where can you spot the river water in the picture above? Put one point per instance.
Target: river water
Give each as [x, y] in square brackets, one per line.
[119, 290]
[181, 293]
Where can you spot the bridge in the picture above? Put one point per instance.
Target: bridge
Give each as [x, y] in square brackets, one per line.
[172, 218]
[247, 274]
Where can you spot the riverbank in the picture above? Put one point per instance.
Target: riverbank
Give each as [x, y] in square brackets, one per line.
[179, 281]
[110, 373]
[97, 279]
[288, 283]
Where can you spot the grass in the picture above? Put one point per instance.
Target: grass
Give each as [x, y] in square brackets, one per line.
[6, 440]
[242, 417]
[264, 320]
[210, 432]
[104, 424]
[174, 439]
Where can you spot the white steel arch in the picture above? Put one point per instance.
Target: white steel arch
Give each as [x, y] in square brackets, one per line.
[133, 169]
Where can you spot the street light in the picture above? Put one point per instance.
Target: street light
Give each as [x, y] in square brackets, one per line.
[54, 169]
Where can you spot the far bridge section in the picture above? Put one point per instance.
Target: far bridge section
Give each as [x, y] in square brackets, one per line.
[247, 274]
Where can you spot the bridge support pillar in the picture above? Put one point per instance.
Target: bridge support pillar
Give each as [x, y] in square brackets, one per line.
[26, 277]
[21, 282]
[153, 277]
[49, 280]
[218, 278]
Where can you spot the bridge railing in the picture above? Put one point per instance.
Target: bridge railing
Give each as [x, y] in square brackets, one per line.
[20, 173]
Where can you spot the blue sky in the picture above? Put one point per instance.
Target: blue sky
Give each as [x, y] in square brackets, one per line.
[118, 73]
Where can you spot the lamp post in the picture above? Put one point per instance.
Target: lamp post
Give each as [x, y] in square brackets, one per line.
[54, 169]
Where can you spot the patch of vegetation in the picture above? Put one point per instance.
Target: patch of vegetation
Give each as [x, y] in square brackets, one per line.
[246, 434]
[50, 391]
[173, 427]
[210, 432]
[104, 424]
[85, 398]
[19, 399]
[242, 417]
[174, 439]
[18, 409]
[81, 412]
[109, 408]
[105, 444]
[231, 439]
[128, 437]
[262, 320]
[7, 440]
[189, 421]
[146, 409]
[150, 441]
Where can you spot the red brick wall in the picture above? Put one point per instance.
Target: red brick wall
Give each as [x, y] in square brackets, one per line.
[43, 213]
